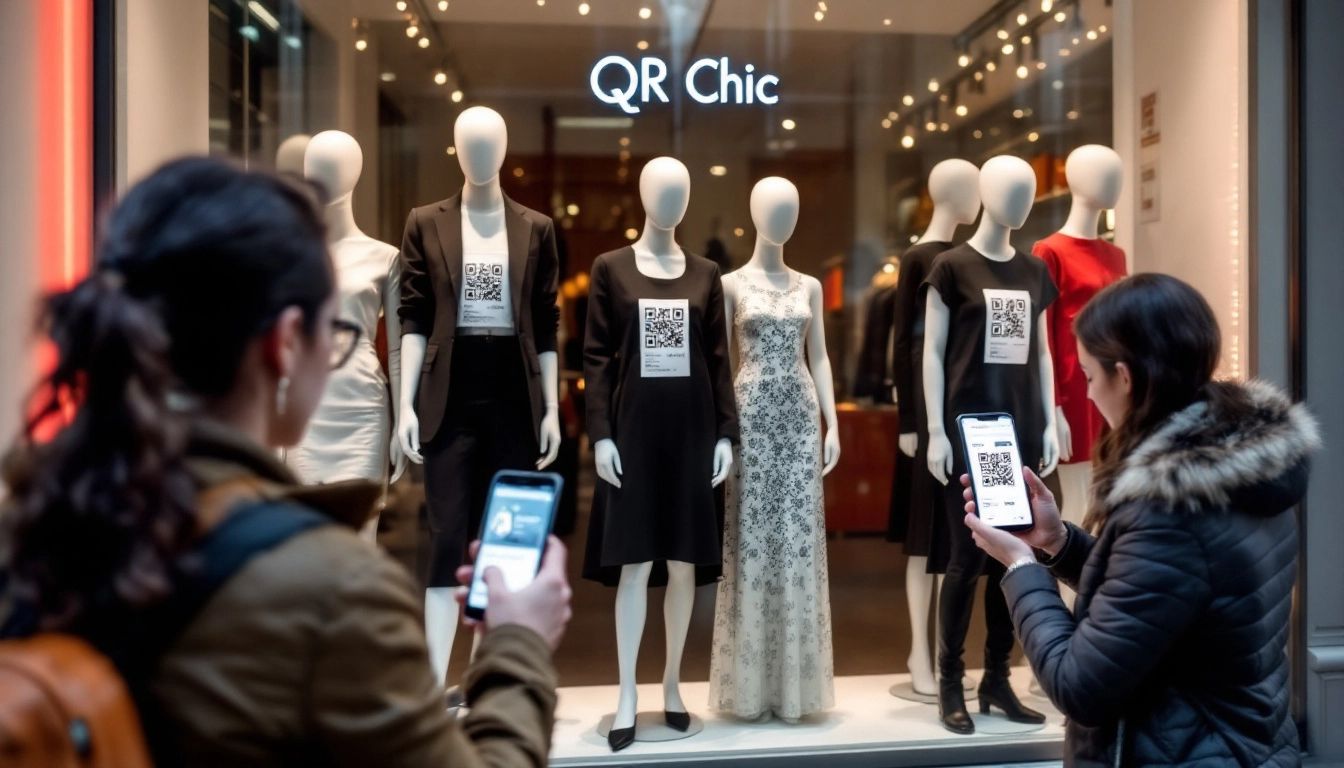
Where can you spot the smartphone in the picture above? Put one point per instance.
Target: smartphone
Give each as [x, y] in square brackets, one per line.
[990, 443]
[519, 512]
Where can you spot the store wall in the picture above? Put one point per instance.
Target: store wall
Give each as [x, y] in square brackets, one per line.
[163, 107]
[1192, 55]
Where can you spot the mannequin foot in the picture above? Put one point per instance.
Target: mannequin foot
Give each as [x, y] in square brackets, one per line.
[921, 676]
[672, 704]
[627, 706]
[620, 738]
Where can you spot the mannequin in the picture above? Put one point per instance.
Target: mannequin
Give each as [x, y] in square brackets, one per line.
[954, 186]
[490, 366]
[350, 436]
[1000, 366]
[289, 156]
[772, 649]
[1081, 264]
[659, 385]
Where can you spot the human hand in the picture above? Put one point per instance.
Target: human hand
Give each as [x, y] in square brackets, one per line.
[608, 461]
[830, 452]
[543, 606]
[723, 462]
[1047, 533]
[908, 442]
[548, 439]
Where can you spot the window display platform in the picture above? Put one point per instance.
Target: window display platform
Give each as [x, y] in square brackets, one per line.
[868, 728]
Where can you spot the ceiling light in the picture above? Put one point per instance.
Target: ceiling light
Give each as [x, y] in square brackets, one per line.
[962, 110]
[1022, 72]
[1008, 49]
[1003, 34]
[452, 150]
[1091, 34]
[1026, 40]
[642, 45]
[401, 6]
[944, 127]
[1033, 136]
[457, 96]
[518, 173]
[963, 60]
[631, 233]
[819, 15]
[1065, 52]
[624, 155]
[1040, 65]
[412, 30]
[990, 66]
[886, 122]
[738, 231]
[933, 85]
[718, 170]
[584, 8]
[572, 209]
[1021, 19]
[907, 141]
[443, 5]
[1019, 114]
[977, 133]
[930, 126]
[625, 141]
[1046, 5]
[1058, 85]
[361, 44]
[1060, 16]
[264, 15]
[979, 76]
[388, 77]
[1102, 29]
[423, 42]
[788, 124]
[822, 5]
[250, 32]
[1072, 114]
[645, 12]
[540, 3]
[1076, 41]
[886, 22]
[440, 78]
[908, 100]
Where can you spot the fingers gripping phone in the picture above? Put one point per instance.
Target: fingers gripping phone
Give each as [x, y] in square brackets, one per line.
[519, 512]
[995, 465]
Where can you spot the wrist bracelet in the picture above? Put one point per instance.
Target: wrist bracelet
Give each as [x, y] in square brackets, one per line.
[1021, 562]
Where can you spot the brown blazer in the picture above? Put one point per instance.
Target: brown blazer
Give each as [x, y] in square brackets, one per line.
[431, 279]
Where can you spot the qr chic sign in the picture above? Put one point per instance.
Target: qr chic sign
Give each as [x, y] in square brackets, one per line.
[621, 82]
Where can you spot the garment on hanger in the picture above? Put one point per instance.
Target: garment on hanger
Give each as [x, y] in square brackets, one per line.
[916, 507]
[872, 377]
[350, 432]
[1080, 267]
[772, 621]
[658, 384]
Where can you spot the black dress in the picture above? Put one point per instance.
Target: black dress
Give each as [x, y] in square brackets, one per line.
[658, 384]
[916, 506]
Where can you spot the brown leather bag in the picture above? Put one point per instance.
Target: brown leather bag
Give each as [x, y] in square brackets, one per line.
[65, 706]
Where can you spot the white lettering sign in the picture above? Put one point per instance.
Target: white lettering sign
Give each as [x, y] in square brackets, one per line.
[618, 81]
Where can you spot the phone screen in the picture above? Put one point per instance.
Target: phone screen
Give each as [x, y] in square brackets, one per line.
[513, 536]
[996, 471]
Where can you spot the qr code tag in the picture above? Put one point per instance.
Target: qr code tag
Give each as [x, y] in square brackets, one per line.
[664, 327]
[485, 301]
[1008, 326]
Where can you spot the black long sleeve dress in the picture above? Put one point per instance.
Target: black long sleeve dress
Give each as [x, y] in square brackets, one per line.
[658, 384]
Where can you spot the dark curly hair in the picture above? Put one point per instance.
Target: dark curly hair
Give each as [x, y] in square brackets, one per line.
[195, 262]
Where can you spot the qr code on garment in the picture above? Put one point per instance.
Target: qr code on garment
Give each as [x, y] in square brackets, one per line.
[664, 327]
[1007, 318]
[485, 282]
[996, 469]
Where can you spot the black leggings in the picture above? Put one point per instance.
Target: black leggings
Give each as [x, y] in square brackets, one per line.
[957, 598]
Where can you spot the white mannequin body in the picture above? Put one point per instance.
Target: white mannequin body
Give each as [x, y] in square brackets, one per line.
[1096, 177]
[1007, 189]
[334, 160]
[481, 139]
[774, 211]
[954, 186]
[664, 189]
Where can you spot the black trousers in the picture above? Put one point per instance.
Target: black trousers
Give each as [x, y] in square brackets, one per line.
[957, 597]
[487, 427]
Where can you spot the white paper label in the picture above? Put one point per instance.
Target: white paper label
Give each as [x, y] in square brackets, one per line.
[485, 292]
[1007, 326]
[664, 331]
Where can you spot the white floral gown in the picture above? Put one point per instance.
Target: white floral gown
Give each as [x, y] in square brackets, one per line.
[772, 624]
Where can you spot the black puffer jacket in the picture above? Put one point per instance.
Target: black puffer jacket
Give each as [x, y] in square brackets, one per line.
[1177, 654]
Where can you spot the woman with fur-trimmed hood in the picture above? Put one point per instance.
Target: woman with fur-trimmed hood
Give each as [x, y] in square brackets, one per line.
[1175, 652]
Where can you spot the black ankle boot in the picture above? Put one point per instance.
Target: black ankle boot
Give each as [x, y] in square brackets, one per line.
[995, 690]
[952, 706]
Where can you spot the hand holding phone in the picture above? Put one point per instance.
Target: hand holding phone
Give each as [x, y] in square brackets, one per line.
[995, 466]
[519, 512]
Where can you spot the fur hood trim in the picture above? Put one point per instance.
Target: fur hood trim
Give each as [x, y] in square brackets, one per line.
[1198, 459]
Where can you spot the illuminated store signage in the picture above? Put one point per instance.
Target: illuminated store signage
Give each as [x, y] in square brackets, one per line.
[708, 81]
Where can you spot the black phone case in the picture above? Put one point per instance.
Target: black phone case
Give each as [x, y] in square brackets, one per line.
[554, 480]
[966, 452]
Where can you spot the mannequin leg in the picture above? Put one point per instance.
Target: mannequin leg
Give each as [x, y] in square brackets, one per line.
[995, 687]
[918, 586]
[440, 629]
[956, 599]
[632, 601]
[677, 605]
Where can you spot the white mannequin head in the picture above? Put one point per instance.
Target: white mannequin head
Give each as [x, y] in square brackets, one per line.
[289, 155]
[774, 209]
[334, 160]
[665, 191]
[1096, 175]
[481, 139]
[1007, 190]
[954, 186]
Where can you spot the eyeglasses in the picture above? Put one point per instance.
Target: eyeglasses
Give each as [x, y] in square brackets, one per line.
[344, 338]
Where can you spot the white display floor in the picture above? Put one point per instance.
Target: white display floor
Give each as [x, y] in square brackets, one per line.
[868, 728]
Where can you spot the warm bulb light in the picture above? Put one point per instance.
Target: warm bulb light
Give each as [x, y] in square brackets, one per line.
[401, 6]
[933, 85]
[908, 100]
[440, 78]
[788, 124]
[642, 45]
[361, 44]
[443, 5]
[1008, 49]
[819, 15]
[962, 110]
[584, 8]
[1091, 34]
[1022, 72]
[886, 122]
[458, 96]
[907, 141]
[1046, 5]
[1003, 34]
[718, 170]
[963, 60]
[423, 42]
[645, 12]
[990, 66]
[1021, 19]
[1061, 16]
[1033, 137]
[412, 30]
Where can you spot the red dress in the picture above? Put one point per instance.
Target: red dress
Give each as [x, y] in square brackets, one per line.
[1080, 268]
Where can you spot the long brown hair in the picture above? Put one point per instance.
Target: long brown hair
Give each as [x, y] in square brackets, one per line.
[1165, 333]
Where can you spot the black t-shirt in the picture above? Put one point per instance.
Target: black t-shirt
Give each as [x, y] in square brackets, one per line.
[992, 359]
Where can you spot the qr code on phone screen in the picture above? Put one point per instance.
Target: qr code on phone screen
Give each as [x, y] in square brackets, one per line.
[664, 328]
[1007, 318]
[996, 469]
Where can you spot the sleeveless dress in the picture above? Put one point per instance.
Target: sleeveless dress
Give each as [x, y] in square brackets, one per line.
[772, 622]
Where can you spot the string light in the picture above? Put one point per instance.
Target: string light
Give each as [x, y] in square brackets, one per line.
[908, 141]
[413, 29]
[440, 78]
[443, 5]
[963, 60]
[645, 12]
[458, 96]
[1021, 19]
[908, 100]
[401, 6]
[933, 85]
[962, 111]
[1046, 5]
[1008, 49]
[423, 42]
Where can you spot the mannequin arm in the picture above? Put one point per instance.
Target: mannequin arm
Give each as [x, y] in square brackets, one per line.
[1052, 321]
[598, 371]
[715, 345]
[936, 321]
[820, 367]
[408, 424]
[729, 307]
[906, 303]
[908, 442]
[549, 438]
[392, 324]
[1064, 434]
[1050, 454]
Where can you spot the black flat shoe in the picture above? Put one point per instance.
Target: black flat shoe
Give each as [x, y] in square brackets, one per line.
[678, 721]
[952, 707]
[620, 738]
[998, 693]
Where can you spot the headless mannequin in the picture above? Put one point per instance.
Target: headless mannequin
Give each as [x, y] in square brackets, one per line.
[481, 139]
[954, 186]
[774, 211]
[334, 160]
[664, 189]
[1096, 176]
[1007, 189]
